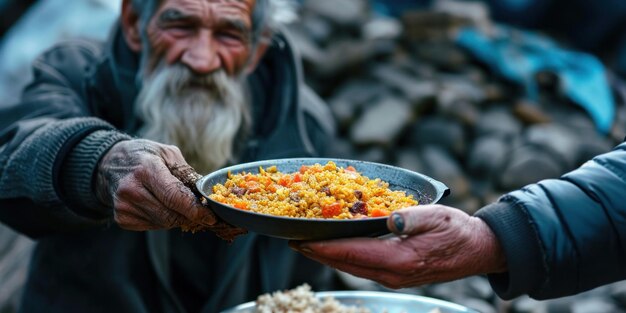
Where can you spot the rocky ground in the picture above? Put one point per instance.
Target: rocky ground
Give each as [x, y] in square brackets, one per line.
[403, 93]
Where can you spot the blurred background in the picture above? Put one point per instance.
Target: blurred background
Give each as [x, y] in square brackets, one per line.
[485, 96]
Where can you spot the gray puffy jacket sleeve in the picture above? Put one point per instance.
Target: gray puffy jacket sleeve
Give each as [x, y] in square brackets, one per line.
[49, 149]
[563, 236]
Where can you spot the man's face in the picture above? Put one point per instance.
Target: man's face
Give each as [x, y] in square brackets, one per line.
[203, 35]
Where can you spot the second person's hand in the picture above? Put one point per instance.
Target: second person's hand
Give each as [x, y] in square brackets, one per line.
[434, 243]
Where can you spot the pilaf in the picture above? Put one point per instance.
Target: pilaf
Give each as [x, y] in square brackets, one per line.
[316, 191]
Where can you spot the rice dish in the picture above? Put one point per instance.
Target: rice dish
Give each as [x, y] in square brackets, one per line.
[316, 191]
[302, 300]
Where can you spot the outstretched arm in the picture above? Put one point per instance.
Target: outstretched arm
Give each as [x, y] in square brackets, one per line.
[434, 243]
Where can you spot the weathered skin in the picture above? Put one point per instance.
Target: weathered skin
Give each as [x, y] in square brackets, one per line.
[436, 243]
[135, 176]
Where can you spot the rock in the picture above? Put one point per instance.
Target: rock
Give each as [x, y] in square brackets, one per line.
[341, 13]
[557, 139]
[595, 304]
[498, 122]
[382, 123]
[477, 304]
[474, 11]
[618, 293]
[439, 131]
[409, 159]
[449, 291]
[478, 287]
[442, 55]
[345, 55]
[374, 154]
[382, 28]
[487, 156]
[316, 28]
[342, 149]
[462, 111]
[530, 113]
[591, 146]
[412, 88]
[423, 25]
[349, 100]
[618, 131]
[562, 305]
[441, 166]
[456, 88]
[527, 165]
[525, 304]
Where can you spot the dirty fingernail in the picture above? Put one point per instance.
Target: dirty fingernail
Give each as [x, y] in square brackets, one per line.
[398, 222]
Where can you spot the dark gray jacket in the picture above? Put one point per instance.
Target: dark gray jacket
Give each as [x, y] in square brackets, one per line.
[80, 104]
[563, 236]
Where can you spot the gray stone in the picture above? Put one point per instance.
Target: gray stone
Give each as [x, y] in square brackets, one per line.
[462, 111]
[439, 131]
[618, 293]
[449, 291]
[441, 166]
[474, 11]
[382, 28]
[347, 54]
[498, 122]
[343, 13]
[595, 304]
[557, 139]
[349, 100]
[409, 159]
[316, 28]
[477, 304]
[455, 88]
[618, 132]
[412, 88]
[342, 149]
[373, 154]
[479, 287]
[525, 304]
[382, 123]
[527, 165]
[562, 305]
[487, 156]
[590, 146]
[530, 112]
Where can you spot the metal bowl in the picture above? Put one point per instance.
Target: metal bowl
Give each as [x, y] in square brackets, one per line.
[379, 302]
[423, 188]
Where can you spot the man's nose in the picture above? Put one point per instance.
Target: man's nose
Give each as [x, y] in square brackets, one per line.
[201, 55]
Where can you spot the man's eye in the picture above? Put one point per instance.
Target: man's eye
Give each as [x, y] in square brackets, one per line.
[181, 27]
[230, 36]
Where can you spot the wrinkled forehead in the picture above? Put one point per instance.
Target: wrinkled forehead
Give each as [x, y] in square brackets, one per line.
[233, 6]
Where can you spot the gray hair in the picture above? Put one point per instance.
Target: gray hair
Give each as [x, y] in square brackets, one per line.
[267, 14]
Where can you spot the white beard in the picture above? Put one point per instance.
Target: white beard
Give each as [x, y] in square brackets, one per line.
[201, 115]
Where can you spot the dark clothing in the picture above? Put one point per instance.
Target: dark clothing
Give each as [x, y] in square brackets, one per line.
[80, 104]
[563, 236]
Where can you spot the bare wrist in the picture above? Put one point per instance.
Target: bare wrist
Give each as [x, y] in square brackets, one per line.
[488, 248]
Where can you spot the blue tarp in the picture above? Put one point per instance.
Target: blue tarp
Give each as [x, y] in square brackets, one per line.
[518, 55]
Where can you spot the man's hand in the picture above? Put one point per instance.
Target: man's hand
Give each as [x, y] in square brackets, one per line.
[134, 178]
[435, 243]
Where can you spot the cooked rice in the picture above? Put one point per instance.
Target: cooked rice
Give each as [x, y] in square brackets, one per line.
[317, 191]
[302, 300]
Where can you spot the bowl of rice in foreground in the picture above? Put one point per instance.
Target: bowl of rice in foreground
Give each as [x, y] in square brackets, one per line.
[315, 198]
[302, 299]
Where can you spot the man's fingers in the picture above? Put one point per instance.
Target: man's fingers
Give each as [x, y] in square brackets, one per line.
[417, 220]
[173, 194]
[363, 252]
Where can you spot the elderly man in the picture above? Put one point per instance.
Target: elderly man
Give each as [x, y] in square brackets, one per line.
[204, 82]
